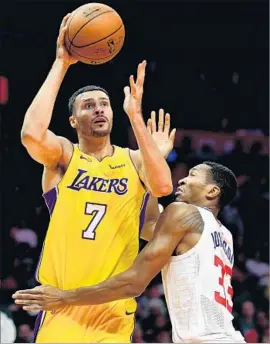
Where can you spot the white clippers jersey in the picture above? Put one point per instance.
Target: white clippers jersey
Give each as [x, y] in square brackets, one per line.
[198, 290]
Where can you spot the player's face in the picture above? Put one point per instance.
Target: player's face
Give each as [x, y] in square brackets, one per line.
[195, 187]
[93, 115]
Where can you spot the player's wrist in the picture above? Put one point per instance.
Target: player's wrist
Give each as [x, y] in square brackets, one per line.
[135, 116]
[69, 297]
[62, 64]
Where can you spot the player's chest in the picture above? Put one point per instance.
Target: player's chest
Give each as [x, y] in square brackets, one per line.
[110, 178]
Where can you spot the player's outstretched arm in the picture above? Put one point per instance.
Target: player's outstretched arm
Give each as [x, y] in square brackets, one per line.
[43, 145]
[175, 221]
[150, 163]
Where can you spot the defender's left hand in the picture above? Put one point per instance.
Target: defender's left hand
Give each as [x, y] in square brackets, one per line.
[133, 94]
[162, 135]
[43, 297]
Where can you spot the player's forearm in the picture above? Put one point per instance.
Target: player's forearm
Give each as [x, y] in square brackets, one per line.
[152, 214]
[155, 167]
[147, 231]
[122, 286]
[38, 116]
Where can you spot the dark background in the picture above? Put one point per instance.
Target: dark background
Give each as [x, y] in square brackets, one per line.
[207, 62]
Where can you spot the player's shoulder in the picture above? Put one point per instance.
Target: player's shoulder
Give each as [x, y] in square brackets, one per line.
[182, 207]
[124, 150]
[65, 142]
[184, 217]
[127, 153]
[133, 153]
[135, 157]
[178, 210]
[130, 155]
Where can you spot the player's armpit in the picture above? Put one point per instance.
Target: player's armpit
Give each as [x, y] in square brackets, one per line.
[137, 163]
[49, 150]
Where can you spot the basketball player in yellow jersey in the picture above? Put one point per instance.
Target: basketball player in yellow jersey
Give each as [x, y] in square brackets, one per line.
[96, 194]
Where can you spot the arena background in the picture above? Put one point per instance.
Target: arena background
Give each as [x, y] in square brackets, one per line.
[208, 66]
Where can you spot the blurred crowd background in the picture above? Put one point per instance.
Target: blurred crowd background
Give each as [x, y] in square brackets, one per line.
[208, 67]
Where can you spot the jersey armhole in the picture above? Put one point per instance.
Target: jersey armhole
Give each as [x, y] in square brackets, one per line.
[59, 184]
[137, 172]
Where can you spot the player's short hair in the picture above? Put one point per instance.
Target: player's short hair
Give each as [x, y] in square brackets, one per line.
[225, 179]
[82, 90]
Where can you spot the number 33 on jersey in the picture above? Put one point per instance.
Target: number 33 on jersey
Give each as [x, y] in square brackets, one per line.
[224, 252]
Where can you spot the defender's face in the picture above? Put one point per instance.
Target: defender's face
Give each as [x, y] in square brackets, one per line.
[93, 115]
[194, 188]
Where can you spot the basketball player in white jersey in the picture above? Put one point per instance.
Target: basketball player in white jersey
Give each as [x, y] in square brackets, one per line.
[193, 250]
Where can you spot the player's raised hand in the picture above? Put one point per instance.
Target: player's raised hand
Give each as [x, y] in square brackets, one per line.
[134, 92]
[61, 50]
[161, 134]
[43, 297]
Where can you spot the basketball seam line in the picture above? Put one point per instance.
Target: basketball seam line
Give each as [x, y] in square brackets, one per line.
[72, 17]
[92, 59]
[88, 45]
[85, 25]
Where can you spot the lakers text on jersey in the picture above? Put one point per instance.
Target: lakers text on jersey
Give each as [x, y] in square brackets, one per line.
[96, 213]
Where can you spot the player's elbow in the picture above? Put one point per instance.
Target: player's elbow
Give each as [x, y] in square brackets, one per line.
[136, 285]
[25, 135]
[28, 137]
[162, 190]
[167, 189]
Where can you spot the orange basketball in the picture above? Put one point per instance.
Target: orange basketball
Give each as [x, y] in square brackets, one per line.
[95, 33]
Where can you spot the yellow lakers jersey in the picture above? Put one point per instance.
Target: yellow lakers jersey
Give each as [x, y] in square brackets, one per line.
[95, 212]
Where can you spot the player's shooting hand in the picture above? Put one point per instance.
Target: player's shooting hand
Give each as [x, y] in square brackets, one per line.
[161, 134]
[43, 297]
[61, 50]
[134, 92]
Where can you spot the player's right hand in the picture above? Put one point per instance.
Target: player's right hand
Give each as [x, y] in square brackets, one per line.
[61, 50]
[133, 93]
[40, 298]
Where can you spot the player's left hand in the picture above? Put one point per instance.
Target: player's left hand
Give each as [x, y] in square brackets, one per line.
[161, 134]
[43, 297]
[134, 92]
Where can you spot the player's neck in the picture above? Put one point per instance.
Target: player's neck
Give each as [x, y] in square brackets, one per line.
[99, 147]
[214, 210]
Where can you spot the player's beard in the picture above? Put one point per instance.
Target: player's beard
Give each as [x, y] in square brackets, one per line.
[87, 130]
[101, 132]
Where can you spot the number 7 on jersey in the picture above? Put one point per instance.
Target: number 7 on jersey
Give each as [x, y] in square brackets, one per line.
[98, 211]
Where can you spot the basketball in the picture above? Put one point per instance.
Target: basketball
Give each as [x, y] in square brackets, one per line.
[95, 33]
